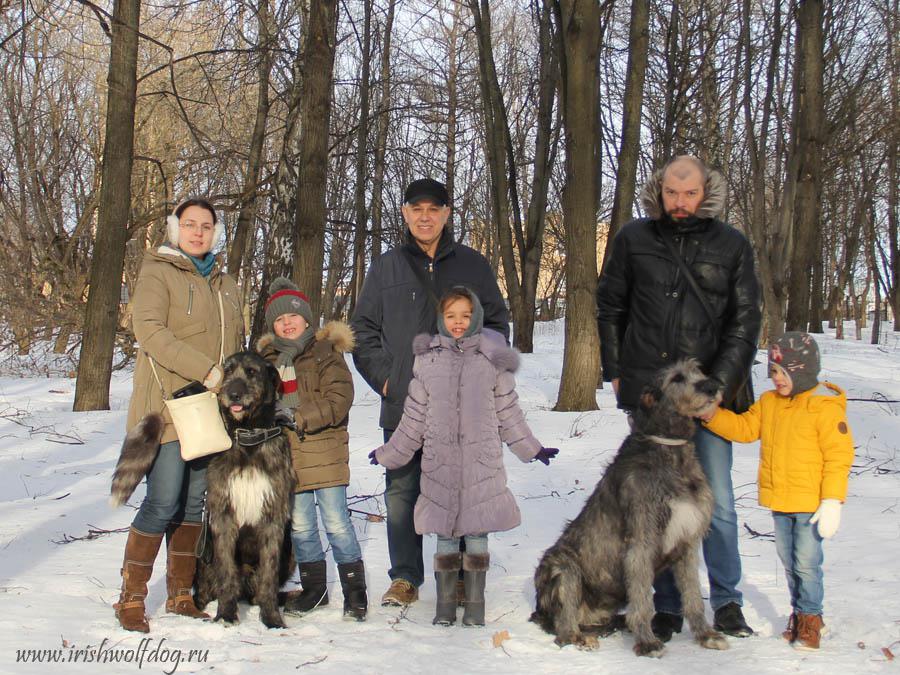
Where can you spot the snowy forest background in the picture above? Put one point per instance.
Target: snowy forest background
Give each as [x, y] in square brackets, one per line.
[304, 119]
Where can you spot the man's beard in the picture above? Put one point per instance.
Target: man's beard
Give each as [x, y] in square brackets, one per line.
[682, 223]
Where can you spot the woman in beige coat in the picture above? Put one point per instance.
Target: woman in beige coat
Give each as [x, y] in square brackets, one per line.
[177, 324]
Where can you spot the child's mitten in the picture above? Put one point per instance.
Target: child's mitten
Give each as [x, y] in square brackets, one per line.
[828, 516]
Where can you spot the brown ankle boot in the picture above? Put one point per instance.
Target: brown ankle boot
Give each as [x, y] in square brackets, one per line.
[140, 552]
[809, 631]
[181, 564]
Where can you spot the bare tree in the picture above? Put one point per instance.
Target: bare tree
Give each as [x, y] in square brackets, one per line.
[807, 147]
[249, 194]
[315, 112]
[629, 147]
[580, 30]
[101, 313]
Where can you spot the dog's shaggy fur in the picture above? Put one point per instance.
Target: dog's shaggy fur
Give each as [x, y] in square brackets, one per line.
[248, 499]
[649, 511]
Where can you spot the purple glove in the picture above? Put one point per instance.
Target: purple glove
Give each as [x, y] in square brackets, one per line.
[545, 455]
[373, 460]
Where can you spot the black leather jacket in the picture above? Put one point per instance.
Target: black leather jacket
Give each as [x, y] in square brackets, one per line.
[649, 316]
[394, 307]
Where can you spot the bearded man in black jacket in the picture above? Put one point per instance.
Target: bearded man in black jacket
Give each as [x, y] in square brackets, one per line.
[398, 301]
[651, 315]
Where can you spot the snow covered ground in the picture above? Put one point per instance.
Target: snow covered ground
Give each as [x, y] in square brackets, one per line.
[55, 468]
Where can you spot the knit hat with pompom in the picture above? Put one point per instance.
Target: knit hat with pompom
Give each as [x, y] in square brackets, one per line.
[286, 298]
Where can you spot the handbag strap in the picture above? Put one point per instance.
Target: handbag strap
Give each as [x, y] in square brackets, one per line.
[221, 349]
[688, 275]
[426, 282]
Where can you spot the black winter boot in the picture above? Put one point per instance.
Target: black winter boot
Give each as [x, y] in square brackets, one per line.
[353, 583]
[446, 571]
[475, 567]
[314, 579]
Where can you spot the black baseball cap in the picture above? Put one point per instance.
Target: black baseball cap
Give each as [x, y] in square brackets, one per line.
[426, 188]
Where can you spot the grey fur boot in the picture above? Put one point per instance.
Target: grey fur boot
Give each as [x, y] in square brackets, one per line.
[475, 566]
[446, 570]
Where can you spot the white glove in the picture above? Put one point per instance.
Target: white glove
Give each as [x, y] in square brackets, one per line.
[828, 516]
[214, 377]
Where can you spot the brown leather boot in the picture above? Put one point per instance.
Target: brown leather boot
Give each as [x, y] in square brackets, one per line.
[140, 552]
[181, 564]
[809, 631]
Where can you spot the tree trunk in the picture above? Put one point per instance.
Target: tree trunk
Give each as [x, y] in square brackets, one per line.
[101, 313]
[453, 52]
[247, 213]
[513, 237]
[315, 114]
[630, 148]
[381, 133]
[770, 236]
[280, 244]
[579, 34]
[502, 172]
[893, 150]
[362, 149]
[808, 130]
[544, 159]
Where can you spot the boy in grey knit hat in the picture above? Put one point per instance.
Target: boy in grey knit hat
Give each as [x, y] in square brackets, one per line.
[316, 393]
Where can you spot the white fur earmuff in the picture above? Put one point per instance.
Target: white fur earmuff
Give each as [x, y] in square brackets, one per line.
[173, 228]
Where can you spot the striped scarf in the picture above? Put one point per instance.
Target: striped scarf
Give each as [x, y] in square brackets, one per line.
[288, 350]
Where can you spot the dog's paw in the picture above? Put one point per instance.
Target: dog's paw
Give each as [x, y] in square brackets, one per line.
[588, 643]
[581, 641]
[712, 640]
[654, 648]
[272, 620]
[227, 613]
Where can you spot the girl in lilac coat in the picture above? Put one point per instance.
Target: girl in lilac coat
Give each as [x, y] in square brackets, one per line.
[460, 409]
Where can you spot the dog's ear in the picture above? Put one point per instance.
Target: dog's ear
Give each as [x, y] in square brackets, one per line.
[650, 397]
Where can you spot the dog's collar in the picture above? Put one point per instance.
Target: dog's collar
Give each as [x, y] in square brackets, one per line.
[662, 440]
[251, 437]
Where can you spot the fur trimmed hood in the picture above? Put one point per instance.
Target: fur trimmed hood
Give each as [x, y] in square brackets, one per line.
[489, 342]
[339, 333]
[715, 192]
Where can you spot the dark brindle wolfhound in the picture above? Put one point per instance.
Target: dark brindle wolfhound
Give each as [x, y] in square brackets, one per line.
[648, 512]
[248, 497]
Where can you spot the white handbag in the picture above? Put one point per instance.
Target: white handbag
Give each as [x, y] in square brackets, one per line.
[197, 419]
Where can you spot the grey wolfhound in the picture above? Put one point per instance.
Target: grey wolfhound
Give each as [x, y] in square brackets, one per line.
[649, 511]
[248, 497]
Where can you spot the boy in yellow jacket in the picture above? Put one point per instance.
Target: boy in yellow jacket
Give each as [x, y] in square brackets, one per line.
[805, 455]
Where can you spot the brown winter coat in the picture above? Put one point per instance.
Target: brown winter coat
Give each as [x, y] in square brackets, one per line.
[176, 320]
[321, 448]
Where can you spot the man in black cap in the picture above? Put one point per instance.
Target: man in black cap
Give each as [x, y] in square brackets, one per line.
[398, 301]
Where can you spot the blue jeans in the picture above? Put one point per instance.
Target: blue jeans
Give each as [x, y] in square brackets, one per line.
[474, 543]
[176, 491]
[800, 548]
[336, 518]
[400, 495]
[720, 546]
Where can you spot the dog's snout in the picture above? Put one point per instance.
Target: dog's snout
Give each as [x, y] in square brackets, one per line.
[709, 387]
[235, 392]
